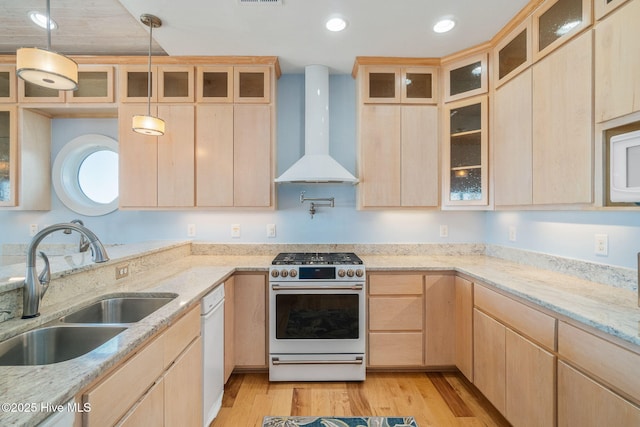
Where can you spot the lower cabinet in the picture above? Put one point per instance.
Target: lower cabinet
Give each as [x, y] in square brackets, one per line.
[229, 328]
[516, 374]
[161, 384]
[250, 317]
[410, 320]
[463, 348]
[597, 381]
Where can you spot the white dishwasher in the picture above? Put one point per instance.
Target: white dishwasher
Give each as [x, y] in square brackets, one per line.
[212, 315]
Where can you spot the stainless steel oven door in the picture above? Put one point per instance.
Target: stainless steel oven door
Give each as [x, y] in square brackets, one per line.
[316, 318]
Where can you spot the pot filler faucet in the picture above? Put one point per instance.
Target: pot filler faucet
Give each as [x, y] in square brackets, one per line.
[35, 287]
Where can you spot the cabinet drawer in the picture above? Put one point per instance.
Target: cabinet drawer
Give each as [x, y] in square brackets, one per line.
[615, 365]
[401, 284]
[395, 349]
[532, 323]
[112, 397]
[395, 313]
[178, 336]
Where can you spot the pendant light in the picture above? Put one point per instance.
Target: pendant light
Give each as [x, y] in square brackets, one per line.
[148, 124]
[46, 68]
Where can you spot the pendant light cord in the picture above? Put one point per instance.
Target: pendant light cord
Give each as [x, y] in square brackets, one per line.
[149, 75]
[48, 25]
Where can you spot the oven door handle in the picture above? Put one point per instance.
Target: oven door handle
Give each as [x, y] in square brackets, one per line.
[316, 288]
[357, 361]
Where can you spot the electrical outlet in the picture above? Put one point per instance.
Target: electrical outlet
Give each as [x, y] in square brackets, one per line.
[601, 242]
[444, 231]
[271, 230]
[33, 229]
[512, 233]
[235, 230]
[191, 230]
[122, 271]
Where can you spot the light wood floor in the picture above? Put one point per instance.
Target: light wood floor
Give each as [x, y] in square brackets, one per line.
[433, 399]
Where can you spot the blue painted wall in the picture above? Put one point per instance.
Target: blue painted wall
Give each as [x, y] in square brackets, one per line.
[567, 234]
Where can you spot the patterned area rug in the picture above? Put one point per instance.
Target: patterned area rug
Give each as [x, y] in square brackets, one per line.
[339, 422]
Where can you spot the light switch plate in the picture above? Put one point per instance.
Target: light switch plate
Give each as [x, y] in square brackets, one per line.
[235, 230]
[601, 242]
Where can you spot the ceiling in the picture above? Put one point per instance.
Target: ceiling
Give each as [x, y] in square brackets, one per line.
[293, 30]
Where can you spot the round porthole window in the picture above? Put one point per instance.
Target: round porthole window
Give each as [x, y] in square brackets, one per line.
[85, 175]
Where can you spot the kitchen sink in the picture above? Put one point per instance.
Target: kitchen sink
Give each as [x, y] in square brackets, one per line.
[53, 344]
[128, 309]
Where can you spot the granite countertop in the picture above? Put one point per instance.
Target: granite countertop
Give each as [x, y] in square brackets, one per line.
[609, 309]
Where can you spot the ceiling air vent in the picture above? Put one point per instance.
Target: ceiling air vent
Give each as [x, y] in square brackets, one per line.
[260, 1]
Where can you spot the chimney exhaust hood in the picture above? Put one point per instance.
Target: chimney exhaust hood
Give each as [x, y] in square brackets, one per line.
[316, 165]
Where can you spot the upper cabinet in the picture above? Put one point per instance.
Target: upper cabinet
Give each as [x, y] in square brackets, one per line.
[398, 136]
[7, 83]
[512, 54]
[169, 83]
[95, 84]
[240, 84]
[556, 22]
[617, 63]
[465, 153]
[466, 77]
[28, 92]
[602, 7]
[393, 85]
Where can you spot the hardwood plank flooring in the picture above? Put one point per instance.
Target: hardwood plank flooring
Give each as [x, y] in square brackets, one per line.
[433, 399]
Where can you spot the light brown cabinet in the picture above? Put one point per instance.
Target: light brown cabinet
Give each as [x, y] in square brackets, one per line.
[162, 381]
[157, 171]
[617, 63]
[169, 83]
[602, 7]
[512, 142]
[95, 84]
[394, 85]
[584, 402]
[465, 153]
[25, 163]
[562, 125]
[396, 320]
[250, 308]
[410, 320]
[515, 373]
[398, 164]
[239, 84]
[556, 21]
[466, 77]
[229, 327]
[464, 326]
[8, 83]
[512, 54]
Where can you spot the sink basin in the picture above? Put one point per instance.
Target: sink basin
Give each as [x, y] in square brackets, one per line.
[54, 344]
[118, 310]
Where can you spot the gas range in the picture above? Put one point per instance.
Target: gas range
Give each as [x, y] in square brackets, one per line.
[310, 266]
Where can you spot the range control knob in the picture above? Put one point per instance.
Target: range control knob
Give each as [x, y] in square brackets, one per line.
[350, 272]
[293, 273]
[359, 273]
[275, 273]
[341, 273]
[284, 273]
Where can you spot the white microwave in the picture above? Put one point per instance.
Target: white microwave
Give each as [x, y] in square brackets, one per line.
[624, 167]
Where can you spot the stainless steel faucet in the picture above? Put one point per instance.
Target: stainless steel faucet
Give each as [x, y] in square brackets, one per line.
[83, 244]
[35, 287]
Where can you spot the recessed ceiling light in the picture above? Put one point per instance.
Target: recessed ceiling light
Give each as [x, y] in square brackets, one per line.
[41, 20]
[336, 24]
[444, 25]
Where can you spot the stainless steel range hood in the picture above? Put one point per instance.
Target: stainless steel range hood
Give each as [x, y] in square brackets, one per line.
[316, 165]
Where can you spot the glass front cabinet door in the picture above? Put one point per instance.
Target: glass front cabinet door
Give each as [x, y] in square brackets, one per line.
[512, 54]
[95, 84]
[466, 152]
[7, 83]
[466, 77]
[8, 153]
[393, 85]
[556, 22]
